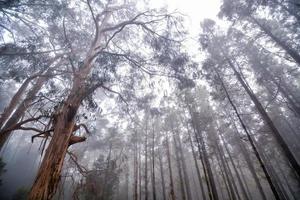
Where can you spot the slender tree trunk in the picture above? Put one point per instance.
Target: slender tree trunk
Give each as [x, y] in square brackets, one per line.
[273, 188]
[106, 174]
[14, 101]
[286, 149]
[226, 181]
[184, 167]
[135, 166]
[208, 176]
[248, 160]
[226, 172]
[240, 168]
[140, 174]
[282, 88]
[25, 104]
[235, 169]
[230, 173]
[292, 52]
[126, 184]
[146, 166]
[18, 95]
[277, 182]
[172, 192]
[197, 166]
[214, 193]
[286, 180]
[162, 175]
[153, 165]
[181, 181]
[291, 12]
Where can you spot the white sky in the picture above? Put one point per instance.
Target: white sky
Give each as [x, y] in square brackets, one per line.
[195, 10]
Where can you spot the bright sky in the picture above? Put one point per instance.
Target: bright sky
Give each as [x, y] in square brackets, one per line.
[195, 10]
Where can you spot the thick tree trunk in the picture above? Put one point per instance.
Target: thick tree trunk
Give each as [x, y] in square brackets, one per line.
[286, 149]
[48, 175]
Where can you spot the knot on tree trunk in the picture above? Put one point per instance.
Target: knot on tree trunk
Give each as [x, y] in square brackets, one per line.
[76, 139]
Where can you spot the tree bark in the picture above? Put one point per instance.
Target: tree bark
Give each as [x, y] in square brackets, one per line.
[48, 175]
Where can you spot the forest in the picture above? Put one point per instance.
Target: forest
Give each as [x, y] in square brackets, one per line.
[150, 100]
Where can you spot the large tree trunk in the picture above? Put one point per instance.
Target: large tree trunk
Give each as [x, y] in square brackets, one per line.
[286, 149]
[49, 172]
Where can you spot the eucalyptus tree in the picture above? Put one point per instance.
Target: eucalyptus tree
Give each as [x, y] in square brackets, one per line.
[255, 14]
[209, 40]
[117, 28]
